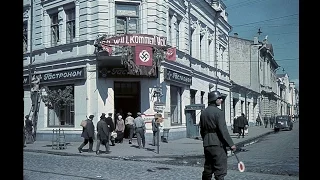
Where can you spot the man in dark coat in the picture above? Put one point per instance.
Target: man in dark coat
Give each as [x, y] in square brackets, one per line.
[242, 123]
[103, 134]
[266, 120]
[88, 135]
[110, 124]
[272, 119]
[216, 138]
[235, 125]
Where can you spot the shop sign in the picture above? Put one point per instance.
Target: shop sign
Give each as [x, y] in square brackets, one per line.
[195, 107]
[64, 75]
[119, 72]
[135, 39]
[159, 107]
[171, 75]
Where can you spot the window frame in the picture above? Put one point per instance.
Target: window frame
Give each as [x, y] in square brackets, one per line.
[178, 91]
[56, 26]
[127, 18]
[70, 34]
[70, 110]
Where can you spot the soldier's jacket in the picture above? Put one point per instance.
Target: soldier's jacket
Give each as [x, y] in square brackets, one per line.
[213, 127]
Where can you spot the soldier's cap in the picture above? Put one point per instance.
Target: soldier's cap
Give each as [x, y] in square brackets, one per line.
[139, 113]
[91, 116]
[129, 113]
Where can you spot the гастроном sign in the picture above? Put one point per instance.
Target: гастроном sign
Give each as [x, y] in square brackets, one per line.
[64, 75]
[171, 75]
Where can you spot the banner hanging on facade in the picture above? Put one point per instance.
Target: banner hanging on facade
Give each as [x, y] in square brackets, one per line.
[171, 54]
[143, 55]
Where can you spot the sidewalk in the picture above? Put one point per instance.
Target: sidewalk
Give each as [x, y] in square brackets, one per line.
[174, 148]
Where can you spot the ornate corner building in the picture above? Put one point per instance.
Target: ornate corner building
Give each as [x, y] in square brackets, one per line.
[120, 55]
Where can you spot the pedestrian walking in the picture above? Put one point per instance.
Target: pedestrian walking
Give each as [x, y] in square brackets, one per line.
[119, 129]
[235, 125]
[110, 124]
[216, 138]
[272, 119]
[129, 126]
[140, 129]
[266, 120]
[102, 134]
[242, 123]
[29, 129]
[258, 120]
[87, 134]
[154, 130]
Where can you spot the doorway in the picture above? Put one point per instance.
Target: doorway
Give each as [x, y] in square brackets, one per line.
[126, 99]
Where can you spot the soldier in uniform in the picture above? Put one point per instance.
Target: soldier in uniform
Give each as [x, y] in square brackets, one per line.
[216, 138]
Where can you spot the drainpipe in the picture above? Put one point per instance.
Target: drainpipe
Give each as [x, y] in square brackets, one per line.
[31, 44]
[215, 46]
[190, 36]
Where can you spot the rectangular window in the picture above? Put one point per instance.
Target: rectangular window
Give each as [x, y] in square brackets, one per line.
[55, 34]
[193, 96]
[170, 30]
[175, 103]
[177, 27]
[61, 115]
[25, 36]
[71, 25]
[191, 37]
[202, 95]
[127, 19]
[201, 55]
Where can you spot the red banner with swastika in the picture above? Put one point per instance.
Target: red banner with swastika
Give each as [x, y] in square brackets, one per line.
[143, 55]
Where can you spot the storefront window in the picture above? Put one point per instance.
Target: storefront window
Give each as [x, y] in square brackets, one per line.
[175, 102]
[62, 115]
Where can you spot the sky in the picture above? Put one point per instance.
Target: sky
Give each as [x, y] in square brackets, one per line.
[278, 20]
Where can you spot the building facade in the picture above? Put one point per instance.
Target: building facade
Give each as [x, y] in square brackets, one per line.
[244, 74]
[63, 53]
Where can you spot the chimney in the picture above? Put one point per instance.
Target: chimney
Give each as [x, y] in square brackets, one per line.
[235, 34]
[255, 40]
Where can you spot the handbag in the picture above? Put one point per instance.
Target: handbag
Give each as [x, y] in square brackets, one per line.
[113, 134]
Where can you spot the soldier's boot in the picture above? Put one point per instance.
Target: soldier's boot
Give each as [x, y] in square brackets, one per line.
[90, 147]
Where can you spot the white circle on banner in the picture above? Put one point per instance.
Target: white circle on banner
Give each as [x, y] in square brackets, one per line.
[144, 56]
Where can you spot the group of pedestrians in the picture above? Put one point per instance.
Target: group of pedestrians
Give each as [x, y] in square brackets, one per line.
[240, 125]
[108, 132]
[266, 120]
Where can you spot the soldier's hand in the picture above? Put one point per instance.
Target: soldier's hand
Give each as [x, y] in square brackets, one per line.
[233, 148]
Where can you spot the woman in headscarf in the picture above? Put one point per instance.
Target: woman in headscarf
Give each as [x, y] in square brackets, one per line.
[120, 129]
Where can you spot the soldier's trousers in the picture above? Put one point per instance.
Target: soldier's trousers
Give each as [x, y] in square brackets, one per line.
[215, 163]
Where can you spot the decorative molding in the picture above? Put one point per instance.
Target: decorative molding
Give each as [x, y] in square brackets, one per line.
[26, 14]
[194, 24]
[203, 31]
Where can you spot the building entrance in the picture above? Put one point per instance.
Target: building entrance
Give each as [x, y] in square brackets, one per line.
[127, 99]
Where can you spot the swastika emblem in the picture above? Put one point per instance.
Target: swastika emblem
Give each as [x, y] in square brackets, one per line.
[144, 56]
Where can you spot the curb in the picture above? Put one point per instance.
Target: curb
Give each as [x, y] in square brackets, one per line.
[239, 145]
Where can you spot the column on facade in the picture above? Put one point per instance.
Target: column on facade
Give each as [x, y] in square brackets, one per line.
[167, 109]
[204, 44]
[46, 29]
[91, 89]
[77, 15]
[210, 58]
[112, 24]
[144, 16]
[196, 40]
[173, 30]
[225, 65]
[62, 25]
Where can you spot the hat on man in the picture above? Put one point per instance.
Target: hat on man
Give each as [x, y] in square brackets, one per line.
[103, 115]
[129, 113]
[91, 116]
[109, 114]
[138, 113]
[213, 96]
